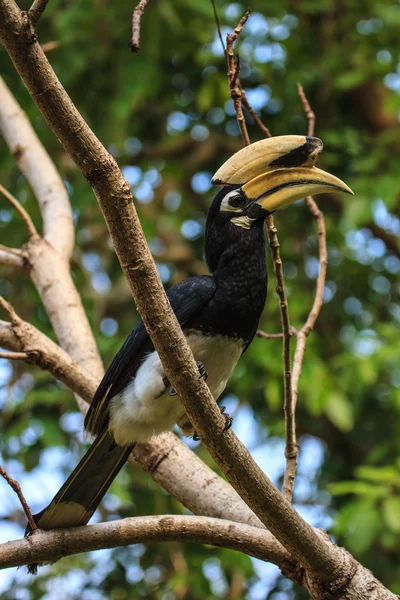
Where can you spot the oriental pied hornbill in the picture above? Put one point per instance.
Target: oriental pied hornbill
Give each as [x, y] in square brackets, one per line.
[218, 313]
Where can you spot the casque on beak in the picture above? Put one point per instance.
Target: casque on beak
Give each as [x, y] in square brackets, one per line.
[278, 171]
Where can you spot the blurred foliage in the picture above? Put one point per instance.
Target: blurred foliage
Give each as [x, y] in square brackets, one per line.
[165, 115]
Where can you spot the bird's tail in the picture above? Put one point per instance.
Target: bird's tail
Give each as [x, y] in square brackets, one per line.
[75, 503]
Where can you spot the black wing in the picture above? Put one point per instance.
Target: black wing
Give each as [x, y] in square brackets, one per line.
[186, 298]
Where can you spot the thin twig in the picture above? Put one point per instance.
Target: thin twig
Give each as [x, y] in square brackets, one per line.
[218, 24]
[17, 489]
[302, 334]
[14, 251]
[317, 304]
[6, 306]
[275, 336]
[235, 88]
[307, 109]
[269, 336]
[238, 96]
[134, 44]
[291, 448]
[255, 116]
[14, 355]
[22, 212]
[36, 11]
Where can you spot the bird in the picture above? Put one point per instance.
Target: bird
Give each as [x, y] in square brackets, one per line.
[218, 313]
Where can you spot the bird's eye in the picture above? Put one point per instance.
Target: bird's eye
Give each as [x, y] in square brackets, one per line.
[237, 201]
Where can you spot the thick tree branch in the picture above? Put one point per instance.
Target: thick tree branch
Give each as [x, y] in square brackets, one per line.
[37, 349]
[38, 168]
[53, 545]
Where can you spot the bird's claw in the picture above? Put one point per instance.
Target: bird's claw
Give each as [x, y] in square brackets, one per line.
[202, 373]
[228, 422]
[228, 418]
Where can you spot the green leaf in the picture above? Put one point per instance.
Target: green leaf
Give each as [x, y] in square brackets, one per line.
[360, 488]
[391, 513]
[339, 410]
[379, 474]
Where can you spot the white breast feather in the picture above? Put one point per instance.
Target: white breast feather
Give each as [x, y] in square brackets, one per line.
[145, 408]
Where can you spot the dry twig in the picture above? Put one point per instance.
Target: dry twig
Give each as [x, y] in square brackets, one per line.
[308, 110]
[8, 309]
[134, 44]
[17, 489]
[14, 355]
[255, 116]
[235, 89]
[291, 448]
[302, 334]
[21, 211]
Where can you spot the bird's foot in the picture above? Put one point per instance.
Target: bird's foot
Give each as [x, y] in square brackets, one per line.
[202, 375]
[228, 422]
[228, 418]
[202, 372]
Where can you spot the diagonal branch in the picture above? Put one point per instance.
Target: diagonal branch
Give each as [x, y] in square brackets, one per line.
[17, 489]
[21, 211]
[36, 11]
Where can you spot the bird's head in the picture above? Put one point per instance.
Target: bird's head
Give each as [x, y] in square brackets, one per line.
[262, 178]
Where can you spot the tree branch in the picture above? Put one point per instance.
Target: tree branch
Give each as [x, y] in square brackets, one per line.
[328, 567]
[12, 257]
[134, 44]
[21, 211]
[50, 546]
[36, 11]
[291, 447]
[39, 169]
[20, 337]
[235, 89]
[17, 489]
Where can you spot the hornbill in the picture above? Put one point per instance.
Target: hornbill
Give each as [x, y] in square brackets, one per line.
[219, 315]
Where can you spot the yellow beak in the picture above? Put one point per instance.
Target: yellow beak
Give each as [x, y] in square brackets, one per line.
[278, 188]
[278, 171]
